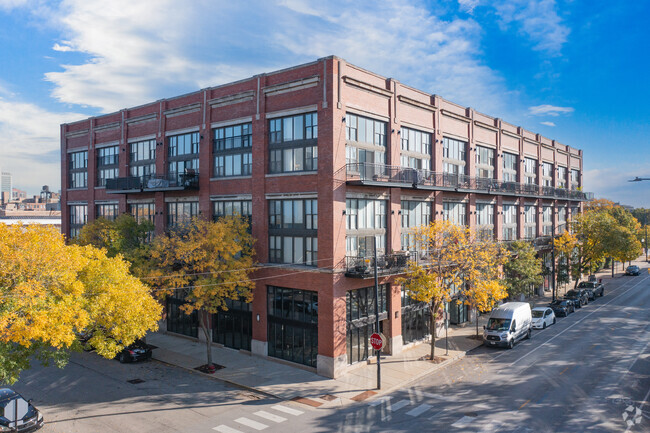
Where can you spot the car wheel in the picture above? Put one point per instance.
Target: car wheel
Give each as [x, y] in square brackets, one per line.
[554, 320]
[511, 344]
[544, 327]
[122, 358]
[529, 333]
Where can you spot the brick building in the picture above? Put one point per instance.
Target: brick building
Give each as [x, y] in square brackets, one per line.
[322, 157]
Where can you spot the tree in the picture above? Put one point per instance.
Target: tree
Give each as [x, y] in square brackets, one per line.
[210, 262]
[522, 269]
[51, 292]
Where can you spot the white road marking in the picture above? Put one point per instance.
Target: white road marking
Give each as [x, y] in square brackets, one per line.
[399, 405]
[464, 421]
[288, 410]
[225, 429]
[252, 424]
[431, 395]
[270, 416]
[379, 401]
[419, 410]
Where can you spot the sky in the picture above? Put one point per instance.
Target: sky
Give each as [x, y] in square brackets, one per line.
[574, 71]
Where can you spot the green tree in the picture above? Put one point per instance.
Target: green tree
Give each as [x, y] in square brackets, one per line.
[51, 292]
[210, 262]
[522, 269]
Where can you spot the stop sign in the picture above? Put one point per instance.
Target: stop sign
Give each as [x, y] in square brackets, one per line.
[377, 341]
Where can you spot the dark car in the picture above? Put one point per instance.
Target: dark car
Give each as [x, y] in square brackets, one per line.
[18, 414]
[597, 288]
[137, 351]
[633, 270]
[579, 295]
[562, 307]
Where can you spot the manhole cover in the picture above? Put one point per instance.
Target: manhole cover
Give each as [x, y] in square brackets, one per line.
[328, 397]
[135, 381]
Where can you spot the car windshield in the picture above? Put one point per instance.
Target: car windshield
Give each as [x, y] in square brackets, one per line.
[498, 324]
[571, 293]
[537, 313]
[584, 285]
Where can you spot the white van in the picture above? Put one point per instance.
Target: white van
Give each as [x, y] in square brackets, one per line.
[508, 324]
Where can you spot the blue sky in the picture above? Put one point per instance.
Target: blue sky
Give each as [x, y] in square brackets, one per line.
[575, 71]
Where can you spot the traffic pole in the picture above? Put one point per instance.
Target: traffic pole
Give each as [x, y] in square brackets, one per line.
[377, 313]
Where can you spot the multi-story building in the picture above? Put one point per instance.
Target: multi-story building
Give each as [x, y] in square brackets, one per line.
[324, 159]
[6, 185]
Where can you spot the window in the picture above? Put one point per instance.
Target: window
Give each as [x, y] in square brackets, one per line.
[453, 156]
[78, 169]
[293, 325]
[530, 171]
[179, 213]
[366, 144]
[416, 319]
[509, 222]
[144, 212]
[547, 221]
[414, 214]
[485, 220]
[183, 155]
[243, 208]
[530, 222]
[561, 215]
[561, 177]
[455, 212]
[292, 143]
[365, 130]
[110, 211]
[575, 178]
[365, 219]
[232, 151]
[142, 158]
[293, 231]
[484, 162]
[547, 174]
[416, 149]
[361, 318]
[78, 218]
[234, 327]
[509, 167]
[107, 164]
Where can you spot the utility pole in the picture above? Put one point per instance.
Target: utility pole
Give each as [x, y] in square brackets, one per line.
[374, 243]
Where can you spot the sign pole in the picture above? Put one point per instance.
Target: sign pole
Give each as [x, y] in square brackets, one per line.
[377, 313]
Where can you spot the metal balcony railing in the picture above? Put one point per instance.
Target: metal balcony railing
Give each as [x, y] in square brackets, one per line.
[149, 183]
[364, 173]
[387, 264]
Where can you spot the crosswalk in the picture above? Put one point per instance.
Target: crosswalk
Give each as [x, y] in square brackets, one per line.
[260, 420]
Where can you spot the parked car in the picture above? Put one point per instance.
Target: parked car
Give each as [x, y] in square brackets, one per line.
[136, 351]
[18, 414]
[633, 270]
[542, 317]
[579, 294]
[508, 324]
[597, 288]
[562, 307]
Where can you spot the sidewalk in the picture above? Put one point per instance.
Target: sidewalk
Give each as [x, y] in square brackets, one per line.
[289, 382]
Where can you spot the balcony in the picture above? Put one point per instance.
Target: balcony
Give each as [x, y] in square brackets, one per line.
[387, 264]
[401, 177]
[152, 183]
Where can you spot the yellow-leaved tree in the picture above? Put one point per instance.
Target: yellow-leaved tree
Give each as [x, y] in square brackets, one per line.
[209, 263]
[50, 292]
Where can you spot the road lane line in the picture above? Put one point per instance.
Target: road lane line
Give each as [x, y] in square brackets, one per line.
[523, 405]
[252, 424]
[574, 324]
[379, 401]
[562, 372]
[419, 410]
[399, 405]
[226, 429]
[270, 416]
[288, 410]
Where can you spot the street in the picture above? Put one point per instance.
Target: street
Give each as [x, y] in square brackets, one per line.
[588, 372]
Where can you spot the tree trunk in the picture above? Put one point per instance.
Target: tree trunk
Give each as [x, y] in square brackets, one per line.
[204, 327]
[433, 334]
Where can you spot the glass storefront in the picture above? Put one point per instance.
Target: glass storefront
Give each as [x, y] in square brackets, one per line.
[293, 325]
[178, 321]
[458, 311]
[360, 307]
[234, 328]
[416, 319]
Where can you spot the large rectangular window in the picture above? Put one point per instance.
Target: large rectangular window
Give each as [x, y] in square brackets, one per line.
[561, 177]
[107, 164]
[232, 151]
[416, 319]
[485, 220]
[361, 319]
[179, 213]
[484, 162]
[242, 208]
[530, 222]
[416, 149]
[509, 167]
[144, 212]
[293, 325]
[547, 221]
[78, 218]
[293, 231]
[142, 158]
[547, 174]
[365, 130]
[183, 156]
[293, 143]
[365, 220]
[575, 178]
[455, 212]
[78, 169]
[109, 211]
[453, 156]
[509, 222]
[530, 171]
[365, 147]
[414, 214]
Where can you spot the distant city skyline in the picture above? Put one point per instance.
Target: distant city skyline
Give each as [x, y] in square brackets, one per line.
[552, 67]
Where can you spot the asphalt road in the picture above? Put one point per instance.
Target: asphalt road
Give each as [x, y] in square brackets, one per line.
[589, 372]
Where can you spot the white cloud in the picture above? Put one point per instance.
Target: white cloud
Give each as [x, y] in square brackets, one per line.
[29, 144]
[468, 5]
[548, 123]
[63, 48]
[538, 20]
[11, 4]
[549, 110]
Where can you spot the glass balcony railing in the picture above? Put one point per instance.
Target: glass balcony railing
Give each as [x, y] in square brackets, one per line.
[154, 182]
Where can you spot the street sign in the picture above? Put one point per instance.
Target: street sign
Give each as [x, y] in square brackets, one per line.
[377, 341]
